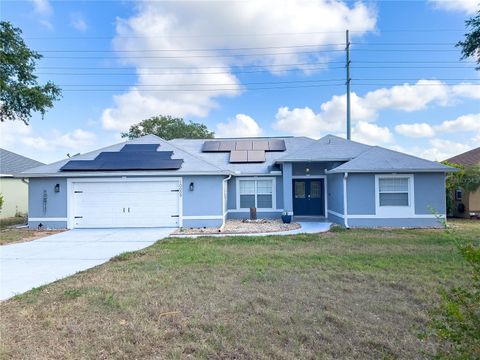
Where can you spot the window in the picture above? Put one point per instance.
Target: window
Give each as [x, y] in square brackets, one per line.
[315, 189]
[299, 189]
[256, 193]
[394, 195]
[393, 191]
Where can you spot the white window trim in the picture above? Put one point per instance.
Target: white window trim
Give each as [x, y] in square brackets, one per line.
[274, 191]
[395, 211]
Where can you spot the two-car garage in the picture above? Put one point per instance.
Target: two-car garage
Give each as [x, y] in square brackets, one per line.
[125, 203]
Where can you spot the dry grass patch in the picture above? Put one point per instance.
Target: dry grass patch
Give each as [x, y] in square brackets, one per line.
[13, 235]
[347, 294]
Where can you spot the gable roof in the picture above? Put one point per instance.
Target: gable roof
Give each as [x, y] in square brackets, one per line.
[12, 163]
[327, 148]
[469, 158]
[191, 164]
[378, 159]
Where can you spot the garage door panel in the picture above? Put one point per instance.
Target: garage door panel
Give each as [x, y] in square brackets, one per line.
[126, 204]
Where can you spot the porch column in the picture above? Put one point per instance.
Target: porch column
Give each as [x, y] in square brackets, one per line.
[287, 188]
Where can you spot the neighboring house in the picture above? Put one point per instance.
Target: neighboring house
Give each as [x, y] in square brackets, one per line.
[14, 190]
[195, 183]
[466, 204]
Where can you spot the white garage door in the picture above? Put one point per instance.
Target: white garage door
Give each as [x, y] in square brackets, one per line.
[126, 204]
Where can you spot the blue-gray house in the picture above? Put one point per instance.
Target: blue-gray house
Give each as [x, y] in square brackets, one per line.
[150, 182]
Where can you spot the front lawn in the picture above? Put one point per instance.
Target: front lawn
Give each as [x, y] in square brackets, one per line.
[349, 294]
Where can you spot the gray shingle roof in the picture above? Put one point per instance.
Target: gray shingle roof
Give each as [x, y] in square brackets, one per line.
[356, 157]
[328, 148]
[378, 159]
[192, 164]
[11, 163]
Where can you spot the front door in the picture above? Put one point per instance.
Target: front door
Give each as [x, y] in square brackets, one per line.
[308, 197]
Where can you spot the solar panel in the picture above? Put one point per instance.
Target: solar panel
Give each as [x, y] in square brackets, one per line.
[243, 145]
[210, 146]
[260, 145]
[276, 145]
[238, 156]
[227, 146]
[140, 147]
[245, 150]
[256, 156]
[128, 158]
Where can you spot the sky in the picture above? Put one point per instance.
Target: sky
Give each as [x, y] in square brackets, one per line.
[251, 68]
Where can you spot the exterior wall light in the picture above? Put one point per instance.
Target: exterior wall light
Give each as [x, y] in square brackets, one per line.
[191, 186]
[57, 188]
[307, 170]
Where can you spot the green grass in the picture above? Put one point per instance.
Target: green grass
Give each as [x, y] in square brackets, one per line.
[349, 294]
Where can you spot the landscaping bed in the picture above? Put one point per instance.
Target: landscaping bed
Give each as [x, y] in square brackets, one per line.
[241, 227]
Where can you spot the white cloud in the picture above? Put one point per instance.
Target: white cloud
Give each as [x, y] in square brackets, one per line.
[371, 134]
[466, 6]
[463, 123]
[242, 126]
[78, 22]
[466, 90]
[470, 122]
[441, 149]
[178, 26]
[332, 114]
[416, 130]
[47, 147]
[42, 7]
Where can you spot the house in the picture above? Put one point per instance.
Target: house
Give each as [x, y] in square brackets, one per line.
[466, 204]
[150, 182]
[14, 190]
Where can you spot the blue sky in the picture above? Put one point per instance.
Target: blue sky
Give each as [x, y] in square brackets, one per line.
[119, 62]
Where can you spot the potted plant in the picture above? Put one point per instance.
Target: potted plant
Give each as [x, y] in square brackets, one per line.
[287, 219]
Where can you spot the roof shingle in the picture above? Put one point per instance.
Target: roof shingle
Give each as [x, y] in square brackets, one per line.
[12, 163]
[469, 158]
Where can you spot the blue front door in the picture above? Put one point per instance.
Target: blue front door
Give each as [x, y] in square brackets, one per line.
[308, 197]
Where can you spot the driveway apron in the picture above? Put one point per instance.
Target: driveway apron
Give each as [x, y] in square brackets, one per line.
[26, 265]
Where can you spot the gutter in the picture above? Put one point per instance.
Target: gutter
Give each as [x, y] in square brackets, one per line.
[25, 180]
[345, 201]
[225, 200]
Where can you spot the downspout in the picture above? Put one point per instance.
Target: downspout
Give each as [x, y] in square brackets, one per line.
[225, 199]
[345, 202]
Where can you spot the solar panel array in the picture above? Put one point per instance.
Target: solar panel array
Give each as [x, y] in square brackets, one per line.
[245, 151]
[130, 157]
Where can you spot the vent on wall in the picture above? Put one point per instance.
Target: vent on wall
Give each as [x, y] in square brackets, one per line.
[130, 157]
[245, 151]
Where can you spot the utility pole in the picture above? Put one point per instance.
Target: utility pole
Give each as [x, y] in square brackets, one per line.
[347, 49]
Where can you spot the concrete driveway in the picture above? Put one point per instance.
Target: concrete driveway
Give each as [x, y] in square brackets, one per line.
[24, 266]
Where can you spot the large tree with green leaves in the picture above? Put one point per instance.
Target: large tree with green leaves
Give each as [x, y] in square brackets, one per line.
[471, 45]
[20, 92]
[168, 128]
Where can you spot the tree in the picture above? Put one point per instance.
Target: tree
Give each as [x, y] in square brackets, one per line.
[168, 128]
[20, 93]
[467, 179]
[471, 45]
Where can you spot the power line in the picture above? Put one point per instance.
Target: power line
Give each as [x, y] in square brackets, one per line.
[245, 48]
[224, 35]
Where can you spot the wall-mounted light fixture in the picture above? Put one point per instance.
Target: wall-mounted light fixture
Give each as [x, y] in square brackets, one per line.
[307, 170]
[57, 188]
[191, 186]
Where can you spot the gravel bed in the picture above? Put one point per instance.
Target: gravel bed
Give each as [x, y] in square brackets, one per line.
[241, 227]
